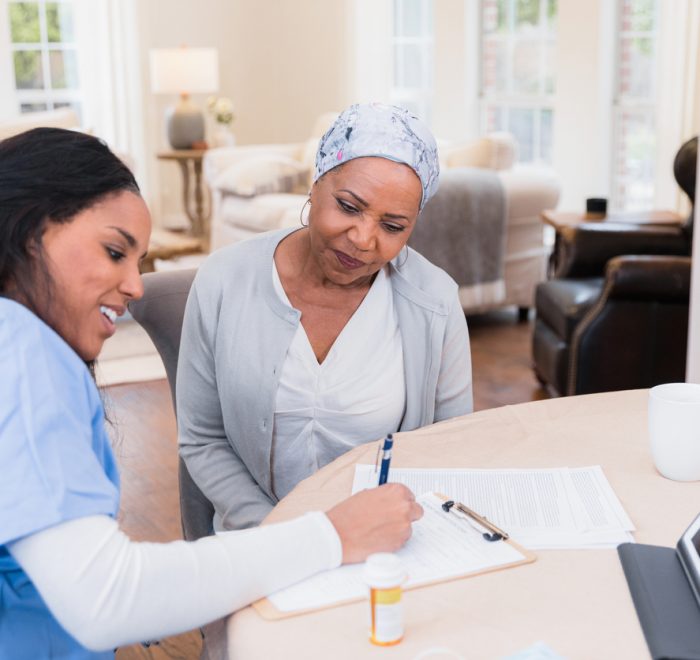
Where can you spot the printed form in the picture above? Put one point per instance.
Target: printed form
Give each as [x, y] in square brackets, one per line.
[441, 547]
[540, 509]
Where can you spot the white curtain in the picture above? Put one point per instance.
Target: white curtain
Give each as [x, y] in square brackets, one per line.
[678, 85]
[111, 74]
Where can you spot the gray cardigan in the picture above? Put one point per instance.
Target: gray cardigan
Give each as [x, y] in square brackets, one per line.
[235, 337]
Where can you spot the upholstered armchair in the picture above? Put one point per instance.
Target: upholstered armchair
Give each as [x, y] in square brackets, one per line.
[615, 315]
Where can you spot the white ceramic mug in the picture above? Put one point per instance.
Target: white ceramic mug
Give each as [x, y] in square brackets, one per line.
[674, 430]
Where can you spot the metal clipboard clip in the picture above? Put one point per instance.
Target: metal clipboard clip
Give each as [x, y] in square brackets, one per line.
[494, 533]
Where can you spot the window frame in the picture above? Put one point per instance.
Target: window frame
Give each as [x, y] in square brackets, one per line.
[507, 100]
[48, 96]
[622, 103]
[421, 96]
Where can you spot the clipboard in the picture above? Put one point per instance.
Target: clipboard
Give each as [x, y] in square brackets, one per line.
[464, 535]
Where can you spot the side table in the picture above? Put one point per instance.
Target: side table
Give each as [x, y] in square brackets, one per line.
[195, 196]
[168, 245]
[565, 223]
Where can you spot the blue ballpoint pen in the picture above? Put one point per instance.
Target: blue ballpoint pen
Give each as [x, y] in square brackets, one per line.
[386, 459]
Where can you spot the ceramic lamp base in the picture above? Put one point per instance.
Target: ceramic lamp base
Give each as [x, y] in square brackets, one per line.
[185, 124]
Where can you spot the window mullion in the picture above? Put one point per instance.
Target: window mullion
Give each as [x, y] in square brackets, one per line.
[633, 109]
[416, 47]
[47, 96]
[537, 134]
[505, 103]
[45, 60]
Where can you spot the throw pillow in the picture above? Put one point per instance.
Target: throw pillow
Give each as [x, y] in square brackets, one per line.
[263, 174]
[496, 151]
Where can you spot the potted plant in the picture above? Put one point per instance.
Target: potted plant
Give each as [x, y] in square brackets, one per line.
[221, 109]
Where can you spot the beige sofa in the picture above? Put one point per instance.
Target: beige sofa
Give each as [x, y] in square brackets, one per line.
[258, 188]
[63, 118]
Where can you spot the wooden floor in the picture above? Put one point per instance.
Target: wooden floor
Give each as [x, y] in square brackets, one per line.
[145, 442]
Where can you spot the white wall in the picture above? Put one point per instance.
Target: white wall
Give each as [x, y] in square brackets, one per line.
[293, 61]
[372, 61]
[451, 52]
[164, 24]
[583, 100]
[282, 64]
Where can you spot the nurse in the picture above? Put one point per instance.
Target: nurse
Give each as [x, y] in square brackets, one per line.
[73, 228]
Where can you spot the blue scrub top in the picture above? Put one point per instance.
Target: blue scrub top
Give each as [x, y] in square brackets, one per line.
[56, 465]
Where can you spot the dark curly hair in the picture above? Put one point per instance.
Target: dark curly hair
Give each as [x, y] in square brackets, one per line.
[48, 175]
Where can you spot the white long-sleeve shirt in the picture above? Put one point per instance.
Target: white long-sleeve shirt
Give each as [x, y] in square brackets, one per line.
[107, 590]
[68, 575]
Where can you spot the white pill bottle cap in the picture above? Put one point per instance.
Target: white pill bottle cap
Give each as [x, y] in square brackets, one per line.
[384, 570]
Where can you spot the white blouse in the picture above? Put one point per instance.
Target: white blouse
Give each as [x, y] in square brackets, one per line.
[357, 394]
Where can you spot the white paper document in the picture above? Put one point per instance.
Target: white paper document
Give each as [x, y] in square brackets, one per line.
[443, 546]
[540, 509]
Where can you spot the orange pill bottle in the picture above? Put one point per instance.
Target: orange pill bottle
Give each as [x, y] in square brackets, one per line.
[384, 574]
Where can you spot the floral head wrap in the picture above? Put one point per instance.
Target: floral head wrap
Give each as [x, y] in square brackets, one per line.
[382, 131]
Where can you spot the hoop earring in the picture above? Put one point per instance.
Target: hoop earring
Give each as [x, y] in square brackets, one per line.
[401, 265]
[301, 213]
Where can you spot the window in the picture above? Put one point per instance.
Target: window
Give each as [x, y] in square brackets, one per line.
[518, 39]
[44, 55]
[634, 132]
[413, 56]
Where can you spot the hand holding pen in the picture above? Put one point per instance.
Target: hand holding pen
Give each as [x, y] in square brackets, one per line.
[375, 520]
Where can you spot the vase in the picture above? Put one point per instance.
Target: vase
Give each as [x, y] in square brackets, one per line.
[223, 137]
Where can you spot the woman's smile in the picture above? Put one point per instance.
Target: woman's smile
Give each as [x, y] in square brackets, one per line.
[108, 316]
[94, 263]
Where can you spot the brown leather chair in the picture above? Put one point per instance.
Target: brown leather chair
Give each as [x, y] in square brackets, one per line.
[615, 316]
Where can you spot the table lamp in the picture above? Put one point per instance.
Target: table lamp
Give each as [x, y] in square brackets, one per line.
[184, 71]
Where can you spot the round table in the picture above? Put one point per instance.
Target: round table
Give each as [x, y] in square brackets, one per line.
[576, 601]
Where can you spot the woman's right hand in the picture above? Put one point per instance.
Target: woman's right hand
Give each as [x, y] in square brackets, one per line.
[375, 520]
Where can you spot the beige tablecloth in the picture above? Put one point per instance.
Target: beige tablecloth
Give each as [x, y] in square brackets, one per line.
[576, 601]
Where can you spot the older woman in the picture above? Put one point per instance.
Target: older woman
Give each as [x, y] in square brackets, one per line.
[73, 229]
[300, 344]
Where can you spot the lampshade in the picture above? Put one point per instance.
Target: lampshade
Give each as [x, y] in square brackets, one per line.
[184, 70]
